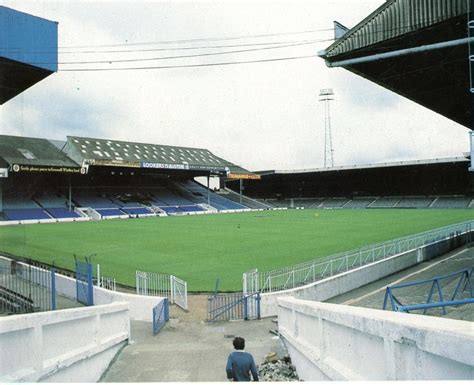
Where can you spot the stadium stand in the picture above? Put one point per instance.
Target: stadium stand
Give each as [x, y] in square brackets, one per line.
[451, 203]
[385, 202]
[334, 203]
[248, 202]
[415, 202]
[359, 203]
[220, 203]
[25, 214]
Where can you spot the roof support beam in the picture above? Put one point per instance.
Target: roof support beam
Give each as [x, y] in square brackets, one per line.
[401, 52]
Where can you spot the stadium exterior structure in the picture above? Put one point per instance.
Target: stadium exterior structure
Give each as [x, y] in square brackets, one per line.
[90, 178]
[433, 183]
[24, 61]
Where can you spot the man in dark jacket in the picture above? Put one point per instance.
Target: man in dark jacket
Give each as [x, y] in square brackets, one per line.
[240, 364]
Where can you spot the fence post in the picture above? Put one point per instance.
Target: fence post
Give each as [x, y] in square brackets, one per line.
[171, 288]
[53, 289]
[330, 270]
[90, 300]
[245, 309]
[258, 305]
[98, 276]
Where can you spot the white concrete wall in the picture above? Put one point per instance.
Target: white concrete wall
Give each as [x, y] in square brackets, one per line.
[352, 279]
[73, 345]
[140, 306]
[338, 342]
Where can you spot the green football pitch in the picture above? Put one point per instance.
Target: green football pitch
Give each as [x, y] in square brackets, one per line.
[201, 248]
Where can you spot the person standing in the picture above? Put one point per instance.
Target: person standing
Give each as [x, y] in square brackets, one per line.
[241, 364]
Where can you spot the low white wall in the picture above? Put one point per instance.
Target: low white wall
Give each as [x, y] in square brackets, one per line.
[338, 342]
[340, 283]
[73, 345]
[352, 279]
[140, 306]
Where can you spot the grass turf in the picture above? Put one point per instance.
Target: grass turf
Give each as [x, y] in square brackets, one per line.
[201, 248]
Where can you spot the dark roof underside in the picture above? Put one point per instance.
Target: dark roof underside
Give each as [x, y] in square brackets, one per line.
[437, 79]
[16, 77]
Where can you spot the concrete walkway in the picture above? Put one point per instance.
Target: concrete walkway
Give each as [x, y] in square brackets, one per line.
[187, 350]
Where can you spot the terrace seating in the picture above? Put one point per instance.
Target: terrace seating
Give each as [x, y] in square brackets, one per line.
[25, 214]
[109, 212]
[359, 203]
[334, 203]
[49, 200]
[86, 200]
[451, 203]
[385, 202]
[414, 202]
[136, 210]
[59, 212]
[191, 208]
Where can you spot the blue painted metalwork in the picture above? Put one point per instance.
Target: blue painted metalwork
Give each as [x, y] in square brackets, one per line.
[160, 315]
[84, 282]
[233, 306]
[28, 39]
[464, 284]
[426, 306]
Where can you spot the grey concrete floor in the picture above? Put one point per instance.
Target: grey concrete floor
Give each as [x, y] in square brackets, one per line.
[189, 350]
[372, 295]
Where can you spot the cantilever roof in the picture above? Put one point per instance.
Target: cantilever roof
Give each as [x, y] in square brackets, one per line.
[424, 162]
[415, 48]
[95, 151]
[32, 152]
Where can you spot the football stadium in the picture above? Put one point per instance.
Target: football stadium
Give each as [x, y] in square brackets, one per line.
[122, 260]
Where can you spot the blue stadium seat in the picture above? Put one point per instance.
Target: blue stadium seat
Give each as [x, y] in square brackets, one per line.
[136, 210]
[58, 212]
[109, 212]
[25, 214]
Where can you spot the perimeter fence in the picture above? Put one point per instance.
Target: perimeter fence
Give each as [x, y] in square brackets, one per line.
[26, 289]
[323, 267]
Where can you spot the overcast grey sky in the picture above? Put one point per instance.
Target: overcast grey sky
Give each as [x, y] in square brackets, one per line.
[260, 115]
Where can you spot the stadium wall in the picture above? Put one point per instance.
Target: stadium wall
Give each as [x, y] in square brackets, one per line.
[342, 283]
[140, 306]
[72, 345]
[337, 342]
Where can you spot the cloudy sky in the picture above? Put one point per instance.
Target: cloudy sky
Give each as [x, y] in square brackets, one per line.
[259, 115]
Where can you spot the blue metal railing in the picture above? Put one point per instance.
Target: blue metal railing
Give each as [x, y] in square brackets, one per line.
[161, 315]
[464, 283]
[84, 282]
[233, 306]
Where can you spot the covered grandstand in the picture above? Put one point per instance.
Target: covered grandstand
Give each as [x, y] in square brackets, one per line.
[438, 183]
[89, 178]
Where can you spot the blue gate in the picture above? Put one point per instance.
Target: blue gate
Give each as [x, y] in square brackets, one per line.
[161, 315]
[84, 284]
[233, 306]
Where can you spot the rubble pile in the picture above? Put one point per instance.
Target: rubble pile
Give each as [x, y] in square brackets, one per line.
[276, 369]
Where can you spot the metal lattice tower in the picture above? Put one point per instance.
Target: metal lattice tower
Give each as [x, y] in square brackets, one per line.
[325, 95]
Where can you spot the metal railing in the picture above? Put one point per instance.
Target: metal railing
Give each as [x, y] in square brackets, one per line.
[463, 286]
[162, 285]
[323, 267]
[26, 289]
[233, 306]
